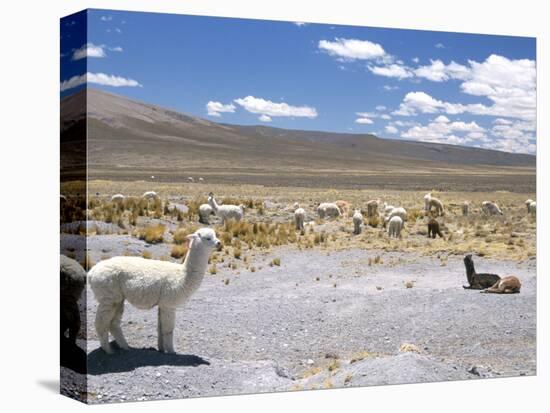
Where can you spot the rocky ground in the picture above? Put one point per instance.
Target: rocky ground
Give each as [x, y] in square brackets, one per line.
[324, 319]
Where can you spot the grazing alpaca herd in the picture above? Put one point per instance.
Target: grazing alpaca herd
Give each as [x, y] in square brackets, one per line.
[147, 283]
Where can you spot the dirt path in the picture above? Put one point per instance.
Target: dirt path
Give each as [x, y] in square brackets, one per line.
[321, 320]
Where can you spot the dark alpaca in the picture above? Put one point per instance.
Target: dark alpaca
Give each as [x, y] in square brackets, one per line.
[478, 281]
[72, 282]
[433, 229]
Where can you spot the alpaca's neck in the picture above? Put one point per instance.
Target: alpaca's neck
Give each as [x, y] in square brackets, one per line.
[196, 261]
[470, 271]
[214, 204]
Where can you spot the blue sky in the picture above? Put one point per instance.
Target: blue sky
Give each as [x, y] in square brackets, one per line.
[475, 90]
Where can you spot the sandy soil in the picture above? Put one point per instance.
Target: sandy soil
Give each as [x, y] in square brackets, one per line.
[324, 319]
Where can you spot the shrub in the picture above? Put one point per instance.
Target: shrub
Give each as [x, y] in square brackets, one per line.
[153, 234]
[178, 251]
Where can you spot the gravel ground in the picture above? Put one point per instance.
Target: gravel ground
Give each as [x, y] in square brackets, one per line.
[324, 320]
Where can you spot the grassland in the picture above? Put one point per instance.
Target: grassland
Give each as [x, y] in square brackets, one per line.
[268, 221]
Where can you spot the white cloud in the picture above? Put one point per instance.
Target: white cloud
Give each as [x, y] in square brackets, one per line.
[364, 121]
[415, 59]
[352, 49]
[99, 79]
[385, 116]
[442, 130]
[391, 129]
[266, 107]
[118, 30]
[439, 46]
[93, 50]
[106, 18]
[73, 82]
[392, 70]
[216, 108]
[381, 108]
[390, 88]
[89, 50]
[437, 71]
[300, 24]
[516, 136]
[265, 118]
[509, 84]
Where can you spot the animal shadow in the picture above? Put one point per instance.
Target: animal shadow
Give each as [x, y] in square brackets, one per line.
[100, 362]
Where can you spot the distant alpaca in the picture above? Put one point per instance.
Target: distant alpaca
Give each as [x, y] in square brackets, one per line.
[465, 207]
[533, 208]
[148, 283]
[387, 208]
[431, 202]
[205, 210]
[226, 212]
[150, 195]
[395, 226]
[299, 217]
[427, 198]
[477, 281]
[116, 198]
[357, 221]
[372, 208]
[490, 208]
[72, 282]
[343, 206]
[328, 209]
[528, 204]
[433, 229]
[506, 285]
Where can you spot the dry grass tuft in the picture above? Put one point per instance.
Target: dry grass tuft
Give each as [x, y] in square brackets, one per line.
[153, 234]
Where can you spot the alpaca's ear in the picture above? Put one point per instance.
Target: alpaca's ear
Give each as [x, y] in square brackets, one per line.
[192, 237]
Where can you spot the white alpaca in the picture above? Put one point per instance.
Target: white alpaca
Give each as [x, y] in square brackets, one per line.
[490, 208]
[205, 210]
[146, 284]
[395, 226]
[398, 212]
[431, 202]
[388, 208]
[528, 204]
[357, 221]
[226, 212]
[190, 179]
[328, 209]
[150, 195]
[533, 208]
[117, 198]
[299, 216]
[427, 198]
[465, 207]
[201, 179]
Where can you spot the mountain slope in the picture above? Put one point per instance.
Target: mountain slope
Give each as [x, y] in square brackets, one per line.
[131, 140]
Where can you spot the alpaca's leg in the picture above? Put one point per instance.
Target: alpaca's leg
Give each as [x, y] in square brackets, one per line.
[73, 322]
[167, 318]
[115, 328]
[103, 317]
[160, 341]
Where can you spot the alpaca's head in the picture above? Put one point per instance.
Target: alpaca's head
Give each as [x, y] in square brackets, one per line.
[204, 238]
[468, 260]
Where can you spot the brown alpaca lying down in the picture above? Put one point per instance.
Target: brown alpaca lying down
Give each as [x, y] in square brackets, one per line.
[506, 285]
